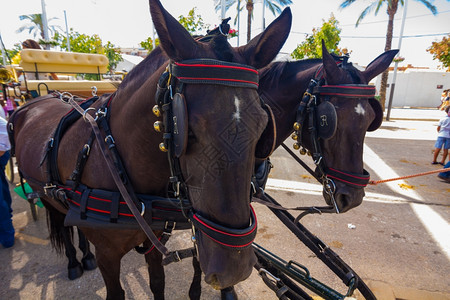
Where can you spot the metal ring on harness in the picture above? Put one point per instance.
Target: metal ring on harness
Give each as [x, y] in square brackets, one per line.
[85, 112]
[65, 94]
[142, 208]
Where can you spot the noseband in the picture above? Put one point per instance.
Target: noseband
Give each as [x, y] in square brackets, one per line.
[317, 93]
[170, 101]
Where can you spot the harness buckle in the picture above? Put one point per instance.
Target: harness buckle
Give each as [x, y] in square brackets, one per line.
[101, 113]
[47, 187]
[169, 232]
[109, 139]
[176, 256]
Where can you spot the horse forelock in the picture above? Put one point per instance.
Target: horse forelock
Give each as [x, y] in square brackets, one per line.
[222, 49]
[354, 73]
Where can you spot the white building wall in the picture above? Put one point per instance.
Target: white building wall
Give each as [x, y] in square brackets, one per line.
[415, 88]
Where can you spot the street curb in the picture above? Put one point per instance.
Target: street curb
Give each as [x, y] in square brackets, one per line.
[410, 119]
[383, 291]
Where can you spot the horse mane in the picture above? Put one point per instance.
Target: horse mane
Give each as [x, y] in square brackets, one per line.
[142, 71]
[273, 73]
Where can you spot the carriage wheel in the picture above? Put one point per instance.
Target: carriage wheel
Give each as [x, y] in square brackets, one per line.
[9, 170]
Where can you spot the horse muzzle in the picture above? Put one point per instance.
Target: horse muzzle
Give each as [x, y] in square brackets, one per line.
[345, 197]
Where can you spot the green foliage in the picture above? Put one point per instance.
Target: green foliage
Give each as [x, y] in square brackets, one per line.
[193, 22]
[312, 46]
[84, 43]
[80, 42]
[441, 51]
[113, 55]
[148, 44]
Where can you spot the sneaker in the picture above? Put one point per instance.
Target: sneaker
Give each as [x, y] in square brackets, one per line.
[441, 163]
[434, 163]
[444, 178]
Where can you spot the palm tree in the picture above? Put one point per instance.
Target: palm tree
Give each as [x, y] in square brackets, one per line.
[36, 26]
[273, 5]
[391, 10]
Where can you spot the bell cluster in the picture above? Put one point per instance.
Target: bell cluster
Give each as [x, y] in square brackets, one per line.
[297, 145]
[159, 126]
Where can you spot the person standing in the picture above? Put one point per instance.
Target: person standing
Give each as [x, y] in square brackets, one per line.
[6, 225]
[443, 138]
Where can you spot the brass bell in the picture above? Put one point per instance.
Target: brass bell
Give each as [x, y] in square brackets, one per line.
[296, 146]
[297, 126]
[156, 111]
[302, 151]
[162, 147]
[309, 153]
[294, 136]
[158, 126]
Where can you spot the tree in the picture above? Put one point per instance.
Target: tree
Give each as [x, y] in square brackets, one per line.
[148, 44]
[441, 51]
[273, 5]
[36, 26]
[84, 43]
[193, 22]
[312, 46]
[391, 10]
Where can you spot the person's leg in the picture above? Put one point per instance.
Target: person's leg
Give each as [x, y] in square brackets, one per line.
[6, 226]
[444, 156]
[446, 148]
[437, 146]
[435, 156]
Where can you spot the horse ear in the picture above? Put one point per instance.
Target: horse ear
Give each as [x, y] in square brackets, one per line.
[379, 64]
[263, 48]
[174, 38]
[332, 73]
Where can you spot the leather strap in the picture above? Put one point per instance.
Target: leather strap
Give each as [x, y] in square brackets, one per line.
[118, 181]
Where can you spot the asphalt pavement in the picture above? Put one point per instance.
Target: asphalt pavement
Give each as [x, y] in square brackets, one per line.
[398, 240]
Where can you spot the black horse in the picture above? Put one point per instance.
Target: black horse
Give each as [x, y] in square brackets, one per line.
[211, 142]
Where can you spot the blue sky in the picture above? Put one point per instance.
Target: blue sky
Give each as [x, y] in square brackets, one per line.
[126, 23]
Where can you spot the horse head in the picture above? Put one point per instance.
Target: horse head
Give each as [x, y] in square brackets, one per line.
[345, 109]
[216, 120]
[335, 111]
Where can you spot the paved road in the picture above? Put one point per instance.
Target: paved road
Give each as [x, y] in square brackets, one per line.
[398, 240]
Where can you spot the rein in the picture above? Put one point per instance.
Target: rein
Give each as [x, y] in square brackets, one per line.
[375, 182]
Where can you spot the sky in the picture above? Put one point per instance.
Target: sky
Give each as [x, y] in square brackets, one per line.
[126, 23]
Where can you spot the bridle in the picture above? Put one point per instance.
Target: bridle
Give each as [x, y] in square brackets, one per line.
[319, 92]
[170, 104]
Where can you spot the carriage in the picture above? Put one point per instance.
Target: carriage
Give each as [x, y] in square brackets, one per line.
[213, 148]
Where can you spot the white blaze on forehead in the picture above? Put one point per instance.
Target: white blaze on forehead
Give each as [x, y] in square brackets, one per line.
[237, 114]
[360, 110]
